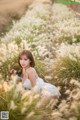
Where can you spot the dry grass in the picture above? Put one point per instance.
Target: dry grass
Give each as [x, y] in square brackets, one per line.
[10, 9]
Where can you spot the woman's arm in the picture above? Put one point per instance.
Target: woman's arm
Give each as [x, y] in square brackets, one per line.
[32, 76]
[13, 73]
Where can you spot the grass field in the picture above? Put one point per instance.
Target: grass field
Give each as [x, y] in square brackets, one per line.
[52, 34]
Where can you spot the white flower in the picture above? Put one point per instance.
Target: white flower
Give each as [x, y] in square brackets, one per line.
[5, 86]
[30, 114]
[12, 105]
[19, 87]
[26, 94]
[23, 109]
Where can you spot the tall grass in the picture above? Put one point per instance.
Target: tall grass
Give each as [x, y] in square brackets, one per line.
[67, 67]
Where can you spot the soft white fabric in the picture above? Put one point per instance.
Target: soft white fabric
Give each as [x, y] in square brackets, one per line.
[43, 87]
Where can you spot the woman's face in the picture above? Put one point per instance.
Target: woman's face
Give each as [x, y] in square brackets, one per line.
[24, 61]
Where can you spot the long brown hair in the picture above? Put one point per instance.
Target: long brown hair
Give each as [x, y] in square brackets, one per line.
[29, 55]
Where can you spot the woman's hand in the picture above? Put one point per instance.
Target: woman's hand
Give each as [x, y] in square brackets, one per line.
[13, 72]
[24, 74]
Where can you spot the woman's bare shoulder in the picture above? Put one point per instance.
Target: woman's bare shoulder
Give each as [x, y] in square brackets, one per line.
[31, 70]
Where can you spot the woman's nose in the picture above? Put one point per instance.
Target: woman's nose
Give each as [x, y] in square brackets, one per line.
[22, 61]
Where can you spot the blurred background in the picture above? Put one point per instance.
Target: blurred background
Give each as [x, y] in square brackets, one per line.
[10, 10]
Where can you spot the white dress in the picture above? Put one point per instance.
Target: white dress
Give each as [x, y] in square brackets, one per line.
[43, 87]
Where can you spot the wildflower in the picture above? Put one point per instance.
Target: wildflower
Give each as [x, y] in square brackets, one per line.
[12, 105]
[5, 86]
[30, 114]
[23, 109]
[26, 94]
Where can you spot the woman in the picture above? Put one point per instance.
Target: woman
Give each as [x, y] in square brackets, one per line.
[30, 78]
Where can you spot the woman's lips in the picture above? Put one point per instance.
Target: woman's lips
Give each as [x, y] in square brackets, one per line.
[23, 65]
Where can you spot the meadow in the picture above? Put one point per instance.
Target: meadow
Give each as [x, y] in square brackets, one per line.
[52, 34]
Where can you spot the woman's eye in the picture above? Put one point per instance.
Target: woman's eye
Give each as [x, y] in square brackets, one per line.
[25, 59]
